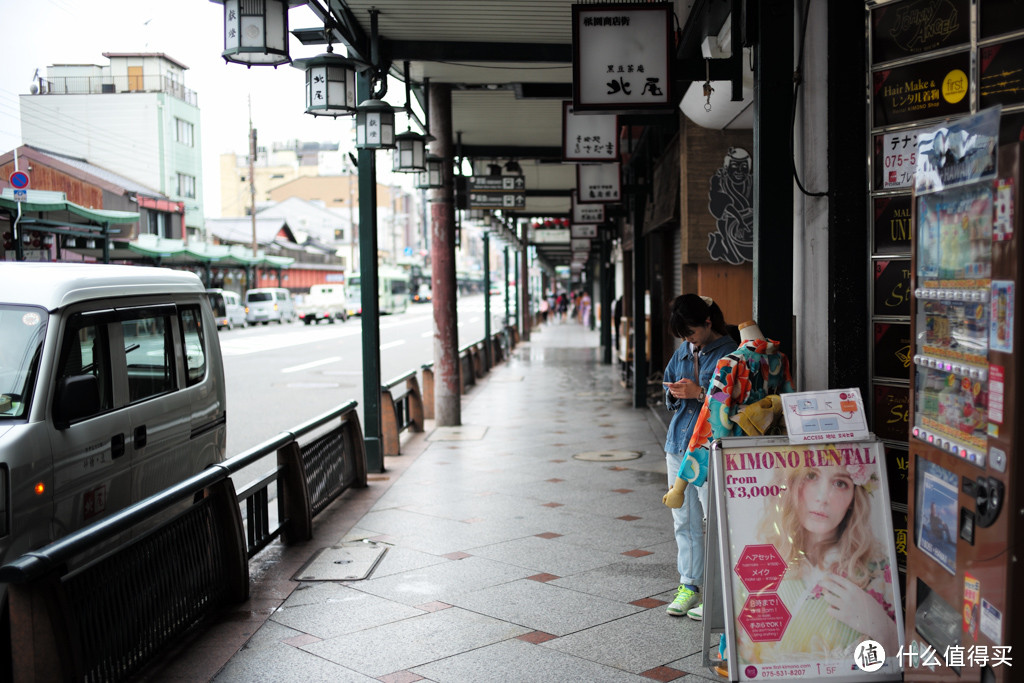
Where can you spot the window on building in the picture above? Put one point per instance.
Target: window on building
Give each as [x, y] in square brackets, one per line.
[186, 186]
[184, 132]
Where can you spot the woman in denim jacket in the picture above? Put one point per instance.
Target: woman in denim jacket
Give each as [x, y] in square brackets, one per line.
[699, 322]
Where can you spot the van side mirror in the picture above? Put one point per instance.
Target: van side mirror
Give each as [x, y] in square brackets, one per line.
[77, 396]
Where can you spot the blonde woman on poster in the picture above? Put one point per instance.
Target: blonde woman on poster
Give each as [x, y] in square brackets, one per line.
[838, 582]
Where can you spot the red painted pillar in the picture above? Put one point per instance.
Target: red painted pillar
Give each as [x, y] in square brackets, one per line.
[447, 396]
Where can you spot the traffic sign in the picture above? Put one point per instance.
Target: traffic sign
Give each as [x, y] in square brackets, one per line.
[21, 195]
[19, 180]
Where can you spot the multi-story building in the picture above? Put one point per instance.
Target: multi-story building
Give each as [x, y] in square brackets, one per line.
[133, 116]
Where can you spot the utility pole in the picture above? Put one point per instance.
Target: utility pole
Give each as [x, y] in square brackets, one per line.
[252, 179]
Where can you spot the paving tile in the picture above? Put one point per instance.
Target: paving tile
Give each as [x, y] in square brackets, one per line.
[544, 607]
[543, 555]
[267, 658]
[635, 643]
[442, 581]
[430, 637]
[338, 609]
[515, 660]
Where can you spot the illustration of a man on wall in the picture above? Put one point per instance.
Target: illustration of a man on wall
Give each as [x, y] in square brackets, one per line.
[730, 201]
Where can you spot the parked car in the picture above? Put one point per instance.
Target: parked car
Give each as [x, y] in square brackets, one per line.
[227, 308]
[266, 304]
[111, 389]
[324, 302]
[422, 295]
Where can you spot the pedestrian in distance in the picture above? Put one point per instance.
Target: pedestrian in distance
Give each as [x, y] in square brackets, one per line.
[699, 322]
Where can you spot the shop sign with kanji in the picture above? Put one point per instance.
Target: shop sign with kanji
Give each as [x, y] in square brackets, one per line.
[622, 57]
[589, 137]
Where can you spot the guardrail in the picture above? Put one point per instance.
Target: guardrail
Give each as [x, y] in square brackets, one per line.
[188, 546]
[401, 408]
[108, 618]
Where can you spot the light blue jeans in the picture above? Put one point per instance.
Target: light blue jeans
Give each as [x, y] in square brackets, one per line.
[689, 526]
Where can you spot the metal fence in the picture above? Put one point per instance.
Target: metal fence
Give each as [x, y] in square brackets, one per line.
[104, 621]
[114, 85]
[184, 552]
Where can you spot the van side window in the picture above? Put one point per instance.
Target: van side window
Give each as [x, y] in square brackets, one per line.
[194, 344]
[86, 351]
[149, 356]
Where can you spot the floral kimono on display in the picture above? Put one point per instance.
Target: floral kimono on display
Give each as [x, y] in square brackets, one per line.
[750, 373]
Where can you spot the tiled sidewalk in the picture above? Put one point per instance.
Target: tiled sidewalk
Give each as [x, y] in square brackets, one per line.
[508, 558]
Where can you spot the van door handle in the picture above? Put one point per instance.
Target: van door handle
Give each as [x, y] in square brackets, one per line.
[117, 446]
[140, 436]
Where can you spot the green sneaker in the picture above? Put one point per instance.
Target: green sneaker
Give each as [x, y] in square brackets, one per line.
[696, 613]
[684, 600]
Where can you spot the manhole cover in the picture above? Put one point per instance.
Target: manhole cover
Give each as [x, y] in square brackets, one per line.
[461, 433]
[608, 455]
[347, 562]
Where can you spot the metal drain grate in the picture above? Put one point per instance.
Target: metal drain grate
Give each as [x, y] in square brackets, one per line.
[611, 456]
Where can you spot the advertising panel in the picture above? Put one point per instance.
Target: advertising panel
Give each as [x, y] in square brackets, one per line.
[810, 572]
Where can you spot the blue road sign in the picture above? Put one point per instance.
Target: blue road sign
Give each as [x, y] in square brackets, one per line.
[19, 180]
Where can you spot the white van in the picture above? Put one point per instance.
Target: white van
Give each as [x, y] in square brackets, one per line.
[324, 302]
[111, 389]
[266, 304]
[228, 311]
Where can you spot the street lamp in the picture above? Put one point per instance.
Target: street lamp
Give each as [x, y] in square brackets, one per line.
[256, 31]
[431, 178]
[330, 84]
[375, 125]
[410, 153]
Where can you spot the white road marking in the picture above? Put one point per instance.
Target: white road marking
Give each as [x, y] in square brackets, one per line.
[392, 345]
[307, 366]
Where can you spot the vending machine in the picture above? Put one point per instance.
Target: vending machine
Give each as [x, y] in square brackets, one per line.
[965, 499]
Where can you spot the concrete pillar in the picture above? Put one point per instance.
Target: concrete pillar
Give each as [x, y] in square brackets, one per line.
[524, 290]
[447, 398]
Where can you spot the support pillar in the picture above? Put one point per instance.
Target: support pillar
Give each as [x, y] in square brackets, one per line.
[773, 191]
[488, 356]
[524, 290]
[372, 429]
[447, 396]
[639, 307]
[605, 288]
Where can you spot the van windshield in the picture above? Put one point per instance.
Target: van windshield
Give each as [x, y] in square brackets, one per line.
[22, 329]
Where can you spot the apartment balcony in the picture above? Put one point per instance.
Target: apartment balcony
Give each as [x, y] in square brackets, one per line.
[114, 85]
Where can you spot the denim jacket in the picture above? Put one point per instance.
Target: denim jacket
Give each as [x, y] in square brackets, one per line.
[686, 410]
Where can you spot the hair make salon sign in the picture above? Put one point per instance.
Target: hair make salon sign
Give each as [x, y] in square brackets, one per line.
[622, 57]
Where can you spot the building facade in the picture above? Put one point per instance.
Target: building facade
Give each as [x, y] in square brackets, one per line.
[133, 116]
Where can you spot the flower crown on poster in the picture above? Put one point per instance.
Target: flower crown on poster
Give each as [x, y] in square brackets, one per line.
[862, 474]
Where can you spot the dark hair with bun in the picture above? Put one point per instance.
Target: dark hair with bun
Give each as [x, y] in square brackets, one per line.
[689, 311]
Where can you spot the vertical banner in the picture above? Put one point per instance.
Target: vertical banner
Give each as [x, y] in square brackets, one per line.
[807, 560]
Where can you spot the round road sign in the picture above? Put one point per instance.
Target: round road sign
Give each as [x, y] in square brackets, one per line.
[19, 180]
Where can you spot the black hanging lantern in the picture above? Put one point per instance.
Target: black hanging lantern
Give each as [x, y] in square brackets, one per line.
[375, 125]
[431, 178]
[330, 84]
[410, 153]
[256, 32]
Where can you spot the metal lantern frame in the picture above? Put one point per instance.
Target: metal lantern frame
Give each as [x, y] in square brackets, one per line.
[375, 125]
[330, 84]
[256, 32]
[410, 155]
[430, 178]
